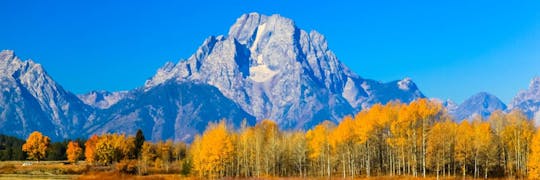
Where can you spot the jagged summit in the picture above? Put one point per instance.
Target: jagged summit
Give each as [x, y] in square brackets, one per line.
[535, 83]
[102, 99]
[406, 84]
[528, 100]
[273, 69]
[264, 68]
[32, 100]
[262, 47]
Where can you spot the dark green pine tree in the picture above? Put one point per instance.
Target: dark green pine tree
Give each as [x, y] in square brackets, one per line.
[139, 141]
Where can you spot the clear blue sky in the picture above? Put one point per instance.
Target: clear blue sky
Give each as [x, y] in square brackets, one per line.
[451, 49]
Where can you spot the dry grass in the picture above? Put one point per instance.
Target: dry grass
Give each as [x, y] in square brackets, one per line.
[42, 168]
[35, 177]
[59, 170]
[116, 175]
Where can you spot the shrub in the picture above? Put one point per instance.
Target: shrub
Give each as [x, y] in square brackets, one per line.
[126, 167]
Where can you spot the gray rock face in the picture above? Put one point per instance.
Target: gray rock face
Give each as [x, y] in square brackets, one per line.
[450, 106]
[170, 110]
[481, 104]
[31, 100]
[528, 101]
[266, 67]
[275, 70]
[102, 99]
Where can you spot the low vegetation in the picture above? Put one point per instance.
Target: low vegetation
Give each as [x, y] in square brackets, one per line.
[405, 141]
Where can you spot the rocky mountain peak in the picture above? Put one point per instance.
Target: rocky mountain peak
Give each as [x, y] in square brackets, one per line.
[264, 68]
[102, 99]
[36, 101]
[528, 101]
[406, 84]
[250, 27]
[481, 104]
[534, 86]
[9, 62]
[6, 55]
[273, 69]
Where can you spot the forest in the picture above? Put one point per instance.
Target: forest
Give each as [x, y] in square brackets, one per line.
[418, 139]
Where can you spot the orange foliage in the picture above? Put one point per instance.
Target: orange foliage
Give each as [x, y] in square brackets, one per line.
[36, 146]
[90, 149]
[73, 151]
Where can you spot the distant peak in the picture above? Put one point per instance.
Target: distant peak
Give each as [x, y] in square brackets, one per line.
[7, 52]
[406, 84]
[486, 98]
[6, 55]
[485, 95]
[9, 61]
[535, 83]
[247, 25]
[407, 79]
[99, 92]
[253, 15]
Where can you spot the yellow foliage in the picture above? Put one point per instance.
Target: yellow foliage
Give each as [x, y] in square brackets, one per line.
[464, 137]
[111, 148]
[344, 132]
[534, 159]
[440, 143]
[318, 140]
[212, 151]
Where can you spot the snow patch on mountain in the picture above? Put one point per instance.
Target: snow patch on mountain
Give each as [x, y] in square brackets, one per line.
[261, 73]
[405, 84]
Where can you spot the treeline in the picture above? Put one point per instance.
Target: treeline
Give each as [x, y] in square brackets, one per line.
[417, 139]
[127, 154]
[134, 155]
[10, 148]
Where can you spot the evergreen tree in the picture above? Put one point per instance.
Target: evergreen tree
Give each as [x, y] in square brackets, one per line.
[139, 141]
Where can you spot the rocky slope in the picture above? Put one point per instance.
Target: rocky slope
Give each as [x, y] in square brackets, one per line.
[31, 100]
[273, 69]
[265, 67]
[528, 101]
[102, 99]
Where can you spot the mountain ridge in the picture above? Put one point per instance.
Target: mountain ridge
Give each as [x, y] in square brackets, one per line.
[264, 68]
[32, 100]
[271, 68]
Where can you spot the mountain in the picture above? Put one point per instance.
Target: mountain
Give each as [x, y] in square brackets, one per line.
[102, 99]
[482, 104]
[528, 101]
[450, 106]
[273, 69]
[31, 100]
[264, 68]
[170, 110]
